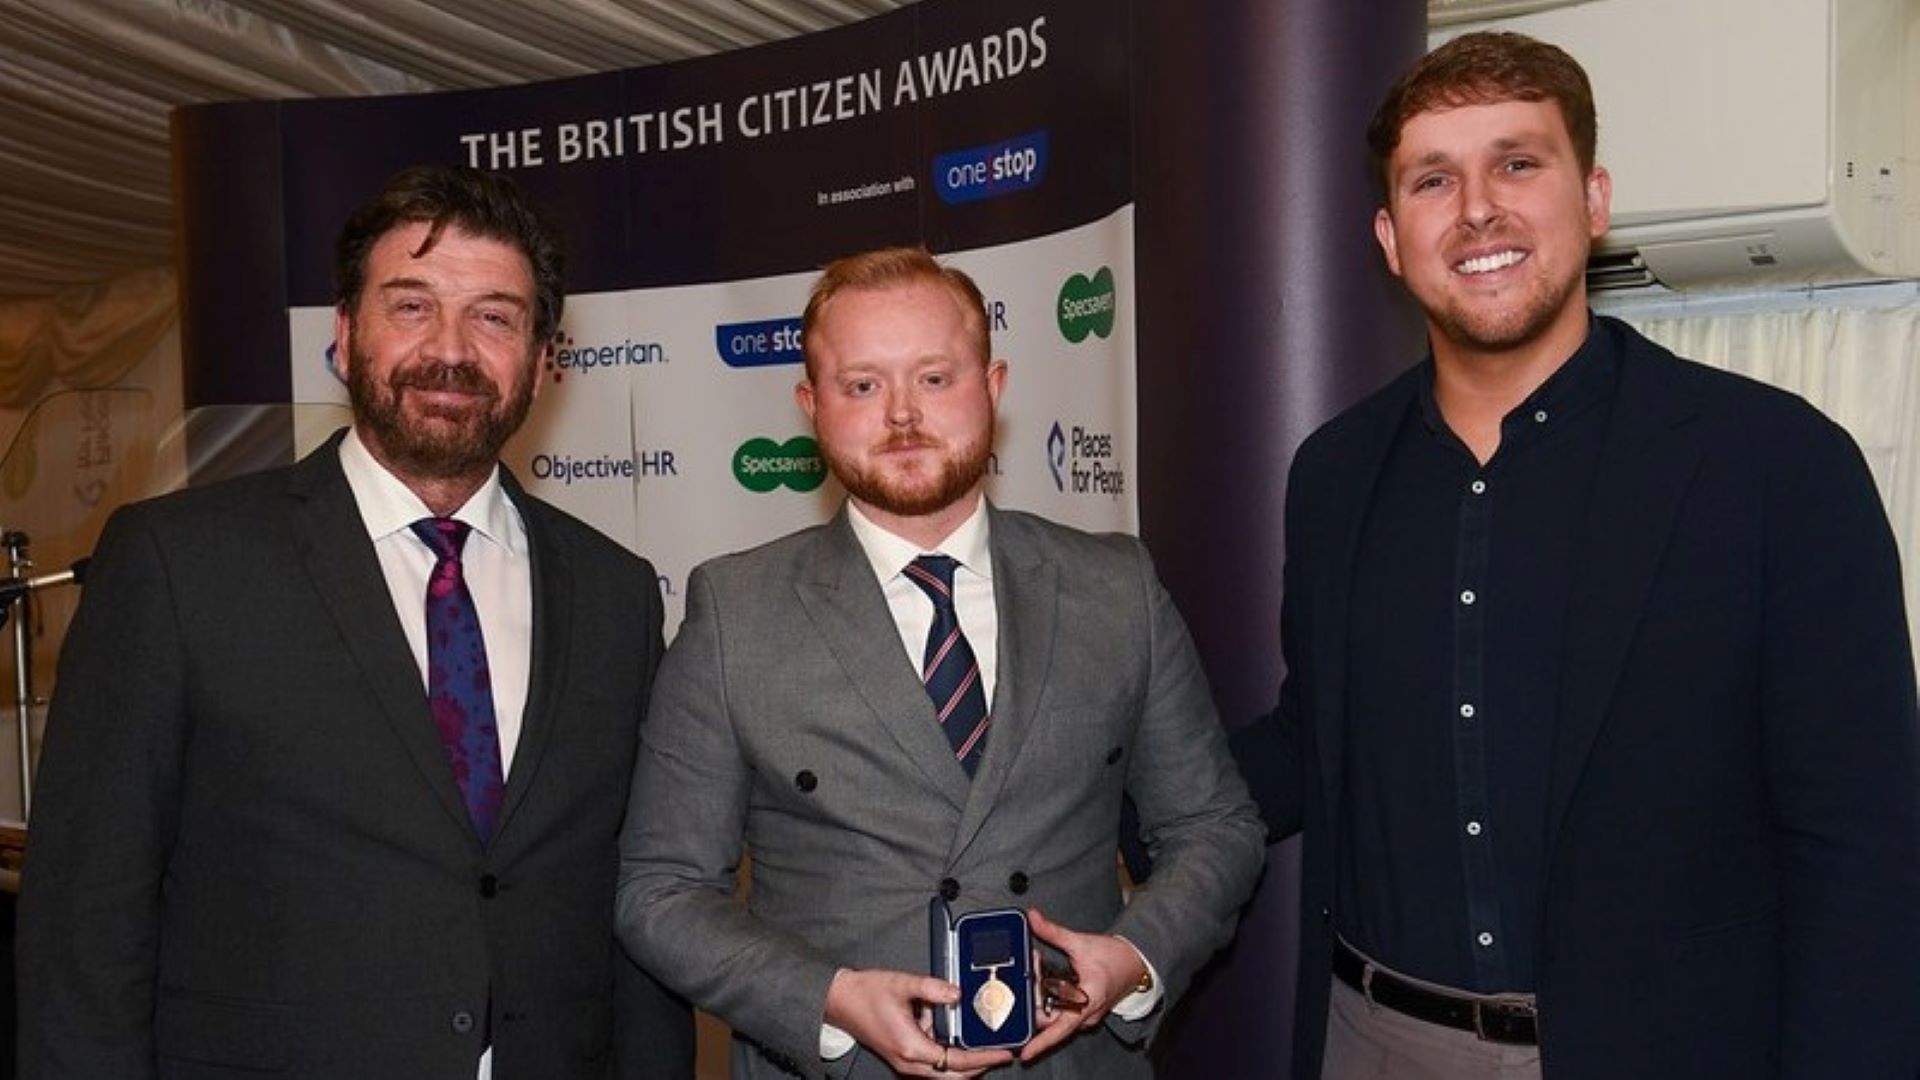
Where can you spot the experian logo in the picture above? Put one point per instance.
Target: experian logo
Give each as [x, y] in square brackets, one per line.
[987, 172]
[758, 344]
[762, 465]
[569, 356]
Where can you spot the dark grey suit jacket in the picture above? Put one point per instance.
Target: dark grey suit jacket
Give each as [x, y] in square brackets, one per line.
[248, 853]
[1732, 875]
[788, 719]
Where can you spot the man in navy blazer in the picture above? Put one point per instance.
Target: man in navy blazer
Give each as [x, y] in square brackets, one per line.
[1599, 714]
[255, 848]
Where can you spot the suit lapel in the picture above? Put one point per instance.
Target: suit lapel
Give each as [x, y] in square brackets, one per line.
[1646, 464]
[841, 597]
[334, 549]
[552, 581]
[1026, 602]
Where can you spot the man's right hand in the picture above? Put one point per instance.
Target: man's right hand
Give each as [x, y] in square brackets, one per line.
[881, 1010]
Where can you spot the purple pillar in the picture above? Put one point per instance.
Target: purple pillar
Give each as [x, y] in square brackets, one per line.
[1263, 309]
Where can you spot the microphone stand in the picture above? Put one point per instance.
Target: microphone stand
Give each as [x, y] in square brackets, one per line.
[16, 588]
[18, 564]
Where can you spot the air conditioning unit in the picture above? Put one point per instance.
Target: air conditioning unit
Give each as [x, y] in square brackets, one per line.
[1751, 144]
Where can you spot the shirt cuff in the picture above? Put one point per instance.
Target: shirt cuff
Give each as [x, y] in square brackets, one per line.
[834, 1043]
[1137, 1005]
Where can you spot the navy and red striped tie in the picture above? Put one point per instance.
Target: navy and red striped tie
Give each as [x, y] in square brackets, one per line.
[951, 672]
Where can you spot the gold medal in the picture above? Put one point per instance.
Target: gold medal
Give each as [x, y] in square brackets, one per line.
[994, 1001]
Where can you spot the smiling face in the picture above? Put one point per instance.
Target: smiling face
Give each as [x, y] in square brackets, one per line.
[902, 402]
[440, 356]
[1489, 220]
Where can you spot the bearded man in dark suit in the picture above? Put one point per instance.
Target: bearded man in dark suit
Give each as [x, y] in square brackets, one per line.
[332, 780]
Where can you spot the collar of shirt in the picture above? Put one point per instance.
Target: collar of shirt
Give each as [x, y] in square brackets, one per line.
[499, 574]
[889, 554]
[388, 506]
[1585, 380]
[968, 545]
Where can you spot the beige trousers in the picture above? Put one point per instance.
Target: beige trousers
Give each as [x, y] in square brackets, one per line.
[1370, 1042]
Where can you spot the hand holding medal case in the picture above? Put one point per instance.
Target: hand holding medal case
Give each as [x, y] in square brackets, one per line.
[989, 955]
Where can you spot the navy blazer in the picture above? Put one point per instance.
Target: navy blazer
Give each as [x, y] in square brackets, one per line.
[248, 853]
[1731, 885]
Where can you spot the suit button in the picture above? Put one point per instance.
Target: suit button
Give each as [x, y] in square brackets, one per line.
[1017, 883]
[805, 780]
[463, 1022]
[1326, 913]
[949, 889]
[489, 885]
[1114, 755]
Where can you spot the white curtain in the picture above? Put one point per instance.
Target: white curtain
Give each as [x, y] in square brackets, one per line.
[1854, 354]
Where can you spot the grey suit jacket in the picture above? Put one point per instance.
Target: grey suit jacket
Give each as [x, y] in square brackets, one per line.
[788, 721]
[249, 855]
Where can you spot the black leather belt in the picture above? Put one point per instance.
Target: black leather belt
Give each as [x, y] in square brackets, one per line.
[1515, 1022]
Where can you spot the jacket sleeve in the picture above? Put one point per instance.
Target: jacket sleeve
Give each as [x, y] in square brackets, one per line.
[1270, 750]
[1842, 747]
[654, 1035]
[1201, 828]
[677, 910]
[104, 814]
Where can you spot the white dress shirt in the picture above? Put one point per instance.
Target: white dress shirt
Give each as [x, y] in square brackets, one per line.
[498, 573]
[972, 588]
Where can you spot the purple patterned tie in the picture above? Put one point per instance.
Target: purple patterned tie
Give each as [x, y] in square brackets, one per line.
[950, 671]
[459, 685]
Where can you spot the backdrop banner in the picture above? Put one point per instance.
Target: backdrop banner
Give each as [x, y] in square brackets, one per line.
[698, 200]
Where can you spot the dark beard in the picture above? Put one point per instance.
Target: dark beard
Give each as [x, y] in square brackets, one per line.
[446, 445]
[959, 473]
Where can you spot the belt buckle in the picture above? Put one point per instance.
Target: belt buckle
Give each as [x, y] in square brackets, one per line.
[1518, 1008]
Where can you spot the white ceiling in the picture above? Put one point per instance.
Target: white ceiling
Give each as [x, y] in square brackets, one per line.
[86, 87]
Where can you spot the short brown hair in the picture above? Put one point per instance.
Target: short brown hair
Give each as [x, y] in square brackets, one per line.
[886, 268]
[1485, 68]
[487, 205]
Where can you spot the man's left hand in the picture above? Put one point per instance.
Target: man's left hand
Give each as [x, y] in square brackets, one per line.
[1108, 968]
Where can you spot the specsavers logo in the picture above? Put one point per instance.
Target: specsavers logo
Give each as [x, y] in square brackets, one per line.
[762, 465]
[1086, 306]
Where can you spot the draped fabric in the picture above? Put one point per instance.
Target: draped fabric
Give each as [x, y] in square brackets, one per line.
[84, 337]
[86, 87]
[1853, 353]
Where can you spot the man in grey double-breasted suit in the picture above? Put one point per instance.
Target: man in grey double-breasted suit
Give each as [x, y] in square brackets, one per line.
[790, 722]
